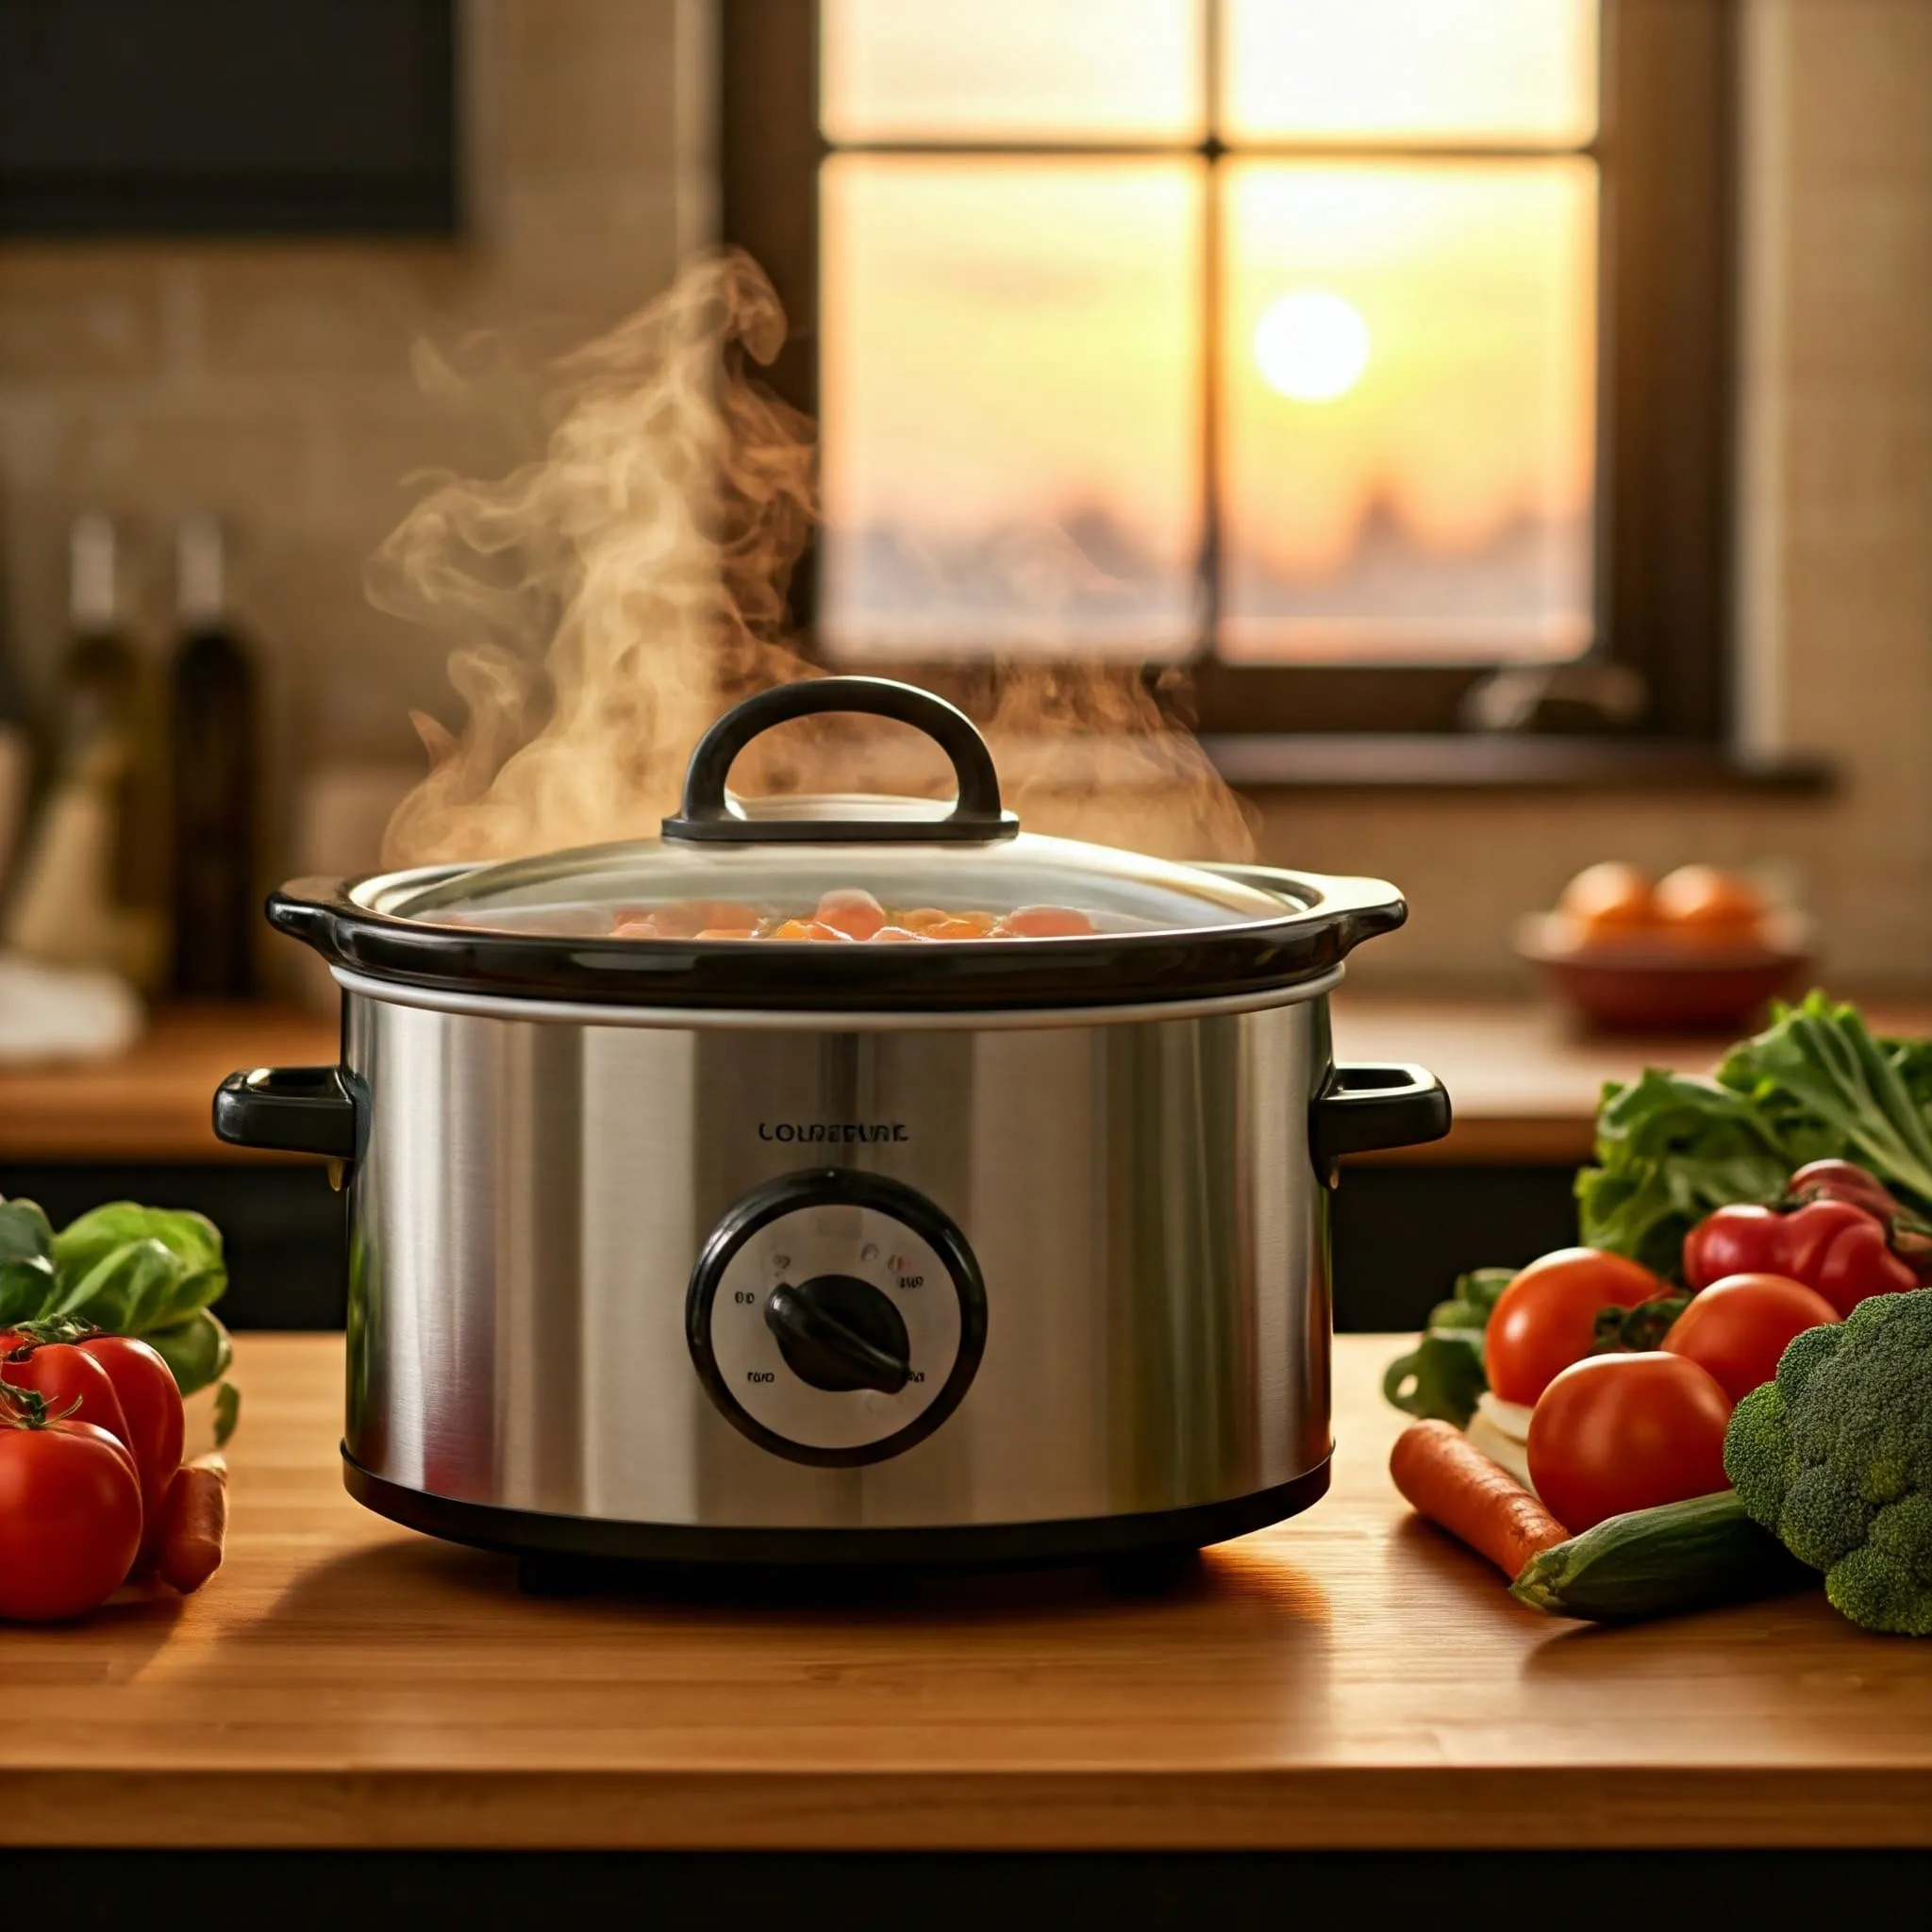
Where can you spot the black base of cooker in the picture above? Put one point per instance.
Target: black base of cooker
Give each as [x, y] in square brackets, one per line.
[997, 1545]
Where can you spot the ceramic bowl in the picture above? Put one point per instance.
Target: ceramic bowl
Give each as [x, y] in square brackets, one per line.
[1653, 984]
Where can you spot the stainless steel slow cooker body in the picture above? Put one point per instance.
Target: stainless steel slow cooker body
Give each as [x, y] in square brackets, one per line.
[777, 1282]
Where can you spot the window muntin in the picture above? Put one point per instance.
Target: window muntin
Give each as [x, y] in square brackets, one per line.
[1057, 413]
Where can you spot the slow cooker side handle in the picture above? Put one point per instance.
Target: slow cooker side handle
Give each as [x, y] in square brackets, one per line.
[1366, 1106]
[291, 1109]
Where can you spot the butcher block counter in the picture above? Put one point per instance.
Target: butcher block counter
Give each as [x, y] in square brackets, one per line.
[1347, 1680]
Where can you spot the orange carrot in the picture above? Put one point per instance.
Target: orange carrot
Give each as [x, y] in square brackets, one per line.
[1454, 1483]
[194, 1521]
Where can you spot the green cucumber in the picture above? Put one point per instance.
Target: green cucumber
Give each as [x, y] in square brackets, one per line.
[1657, 1562]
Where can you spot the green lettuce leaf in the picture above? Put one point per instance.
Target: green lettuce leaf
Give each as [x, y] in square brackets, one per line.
[1819, 1077]
[1815, 1084]
[134, 1269]
[26, 1267]
[1670, 1149]
[197, 1351]
[127, 1290]
[1914, 1061]
[24, 1232]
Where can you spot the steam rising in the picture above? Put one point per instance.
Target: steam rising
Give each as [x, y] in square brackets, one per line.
[615, 595]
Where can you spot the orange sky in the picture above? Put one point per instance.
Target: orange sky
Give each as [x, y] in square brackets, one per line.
[1476, 281]
[1509, 70]
[1008, 338]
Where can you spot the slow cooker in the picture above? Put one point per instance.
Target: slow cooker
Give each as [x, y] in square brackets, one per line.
[837, 1180]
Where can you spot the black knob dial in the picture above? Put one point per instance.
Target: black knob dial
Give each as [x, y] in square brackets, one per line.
[837, 1332]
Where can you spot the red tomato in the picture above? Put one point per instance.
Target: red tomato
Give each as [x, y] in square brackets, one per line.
[1739, 1240]
[66, 1375]
[1737, 1327]
[1546, 1318]
[151, 1401]
[1621, 1432]
[70, 1519]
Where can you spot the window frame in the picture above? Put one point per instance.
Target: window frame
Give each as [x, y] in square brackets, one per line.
[1665, 151]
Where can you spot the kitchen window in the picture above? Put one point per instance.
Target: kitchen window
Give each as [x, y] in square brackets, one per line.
[1348, 356]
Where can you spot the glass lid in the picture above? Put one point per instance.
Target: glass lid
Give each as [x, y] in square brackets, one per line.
[835, 870]
[1025, 887]
[875, 910]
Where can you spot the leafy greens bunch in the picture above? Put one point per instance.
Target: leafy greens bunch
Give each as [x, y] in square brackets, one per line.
[1816, 1084]
[1443, 1376]
[149, 1271]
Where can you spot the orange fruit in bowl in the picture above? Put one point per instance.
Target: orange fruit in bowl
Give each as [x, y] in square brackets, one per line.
[1701, 905]
[1608, 902]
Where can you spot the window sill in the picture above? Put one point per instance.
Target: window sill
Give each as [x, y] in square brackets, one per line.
[1323, 763]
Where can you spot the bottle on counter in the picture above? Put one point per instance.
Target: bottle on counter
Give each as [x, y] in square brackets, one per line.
[99, 678]
[211, 712]
[91, 891]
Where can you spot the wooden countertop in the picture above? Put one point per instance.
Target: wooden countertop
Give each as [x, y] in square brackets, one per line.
[1347, 1680]
[154, 1102]
[1524, 1087]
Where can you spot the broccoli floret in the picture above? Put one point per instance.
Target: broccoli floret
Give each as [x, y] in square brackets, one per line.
[1835, 1457]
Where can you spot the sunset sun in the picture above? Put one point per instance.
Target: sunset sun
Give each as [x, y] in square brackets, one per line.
[1312, 346]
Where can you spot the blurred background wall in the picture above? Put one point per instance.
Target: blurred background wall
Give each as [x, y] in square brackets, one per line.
[275, 383]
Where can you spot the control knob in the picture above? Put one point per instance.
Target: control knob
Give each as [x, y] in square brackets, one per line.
[837, 1332]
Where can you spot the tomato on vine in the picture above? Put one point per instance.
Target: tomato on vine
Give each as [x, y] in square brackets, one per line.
[1546, 1318]
[70, 1510]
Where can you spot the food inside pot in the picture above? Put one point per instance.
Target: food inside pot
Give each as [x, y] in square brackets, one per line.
[846, 915]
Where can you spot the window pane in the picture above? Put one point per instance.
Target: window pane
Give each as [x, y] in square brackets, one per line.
[1010, 403]
[1507, 72]
[1011, 70]
[1408, 358]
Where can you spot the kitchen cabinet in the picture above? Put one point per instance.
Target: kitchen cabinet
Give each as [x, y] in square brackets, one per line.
[227, 117]
[1348, 1684]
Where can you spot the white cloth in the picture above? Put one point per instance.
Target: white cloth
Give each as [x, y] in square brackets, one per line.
[65, 1012]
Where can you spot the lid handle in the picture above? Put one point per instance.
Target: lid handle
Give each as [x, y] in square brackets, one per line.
[977, 817]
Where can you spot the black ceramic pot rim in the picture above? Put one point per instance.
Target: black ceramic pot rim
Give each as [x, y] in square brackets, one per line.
[1324, 920]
